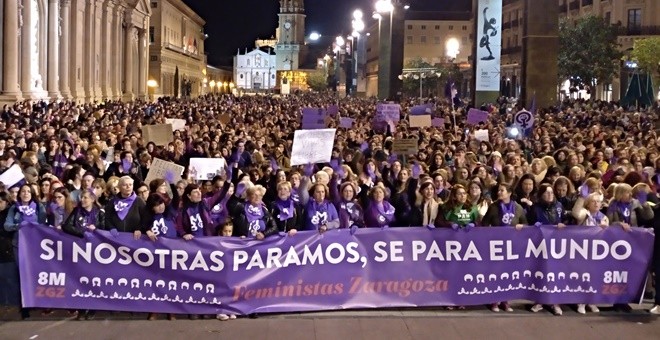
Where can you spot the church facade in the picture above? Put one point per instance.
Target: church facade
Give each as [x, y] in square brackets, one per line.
[283, 53]
[82, 50]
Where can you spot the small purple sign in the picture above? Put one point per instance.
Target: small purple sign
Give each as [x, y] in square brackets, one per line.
[313, 118]
[345, 122]
[475, 116]
[438, 122]
[420, 110]
[391, 112]
[332, 110]
[373, 268]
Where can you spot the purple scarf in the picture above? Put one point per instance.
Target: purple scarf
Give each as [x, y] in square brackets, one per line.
[349, 213]
[286, 209]
[255, 218]
[623, 209]
[87, 217]
[126, 166]
[58, 212]
[508, 212]
[28, 212]
[384, 212]
[123, 205]
[59, 163]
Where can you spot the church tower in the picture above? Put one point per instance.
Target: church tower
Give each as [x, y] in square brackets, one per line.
[291, 37]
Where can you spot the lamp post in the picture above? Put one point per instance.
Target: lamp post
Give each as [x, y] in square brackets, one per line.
[151, 85]
[390, 15]
[358, 26]
[212, 85]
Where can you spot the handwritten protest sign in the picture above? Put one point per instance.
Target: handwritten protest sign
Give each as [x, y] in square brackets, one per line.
[160, 134]
[313, 118]
[312, 146]
[481, 135]
[203, 169]
[420, 121]
[12, 176]
[159, 168]
[177, 124]
[391, 112]
[405, 146]
[477, 116]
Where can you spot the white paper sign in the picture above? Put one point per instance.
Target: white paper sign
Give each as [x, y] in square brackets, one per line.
[312, 146]
[12, 176]
[203, 169]
[481, 135]
[159, 167]
[177, 124]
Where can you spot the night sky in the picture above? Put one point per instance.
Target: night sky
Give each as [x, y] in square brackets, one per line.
[233, 24]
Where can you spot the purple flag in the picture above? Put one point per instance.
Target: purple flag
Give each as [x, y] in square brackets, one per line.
[390, 112]
[345, 122]
[419, 110]
[332, 110]
[475, 116]
[409, 267]
[438, 122]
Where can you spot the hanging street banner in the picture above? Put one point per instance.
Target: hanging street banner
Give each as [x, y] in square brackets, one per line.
[489, 46]
[395, 267]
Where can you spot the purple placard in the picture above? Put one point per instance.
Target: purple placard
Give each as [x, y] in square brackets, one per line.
[337, 270]
[438, 122]
[475, 116]
[345, 122]
[313, 118]
[391, 112]
[424, 109]
[332, 110]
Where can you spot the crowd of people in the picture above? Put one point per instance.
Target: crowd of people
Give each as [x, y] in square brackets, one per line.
[584, 163]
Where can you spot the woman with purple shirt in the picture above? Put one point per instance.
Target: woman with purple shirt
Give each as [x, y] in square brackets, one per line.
[320, 213]
[380, 213]
[286, 213]
[194, 219]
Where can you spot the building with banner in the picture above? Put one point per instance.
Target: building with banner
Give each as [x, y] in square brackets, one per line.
[176, 50]
[74, 49]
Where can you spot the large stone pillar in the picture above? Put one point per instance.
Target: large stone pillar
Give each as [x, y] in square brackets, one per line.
[106, 45]
[88, 52]
[97, 54]
[540, 51]
[142, 64]
[28, 39]
[53, 49]
[129, 33]
[65, 13]
[115, 56]
[11, 90]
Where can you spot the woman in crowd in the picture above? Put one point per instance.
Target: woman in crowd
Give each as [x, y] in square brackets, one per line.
[505, 211]
[126, 212]
[477, 198]
[288, 215]
[194, 218]
[427, 206]
[379, 212]
[85, 218]
[626, 210]
[459, 212]
[525, 193]
[590, 186]
[59, 208]
[252, 219]
[320, 214]
[27, 209]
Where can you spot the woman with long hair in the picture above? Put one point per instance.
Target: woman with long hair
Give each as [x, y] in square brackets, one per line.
[458, 213]
[626, 210]
[477, 197]
[379, 212]
[525, 192]
[194, 219]
[85, 218]
[427, 206]
[59, 207]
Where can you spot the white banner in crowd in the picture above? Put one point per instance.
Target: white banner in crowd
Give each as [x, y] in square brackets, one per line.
[312, 146]
[203, 169]
[489, 45]
[159, 168]
[12, 176]
[177, 124]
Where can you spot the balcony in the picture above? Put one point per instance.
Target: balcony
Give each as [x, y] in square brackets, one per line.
[639, 30]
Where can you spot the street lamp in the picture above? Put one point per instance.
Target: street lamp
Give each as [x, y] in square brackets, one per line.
[314, 36]
[212, 85]
[452, 47]
[152, 85]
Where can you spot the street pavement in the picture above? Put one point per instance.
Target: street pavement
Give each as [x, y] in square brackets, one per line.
[428, 323]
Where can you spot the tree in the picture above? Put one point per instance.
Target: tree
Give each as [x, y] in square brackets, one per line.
[646, 52]
[317, 81]
[432, 83]
[588, 51]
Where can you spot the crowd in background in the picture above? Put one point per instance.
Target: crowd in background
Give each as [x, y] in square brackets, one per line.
[584, 163]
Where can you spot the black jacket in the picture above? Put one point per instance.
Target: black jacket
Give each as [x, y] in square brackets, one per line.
[241, 225]
[75, 223]
[136, 219]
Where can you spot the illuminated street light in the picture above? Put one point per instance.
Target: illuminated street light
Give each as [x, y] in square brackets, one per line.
[384, 6]
[152, 83]
[340, 41]
[314, 36]
[357, 14]
[453, 47]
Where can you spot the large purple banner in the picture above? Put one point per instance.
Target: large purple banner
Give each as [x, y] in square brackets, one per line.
[336, 270]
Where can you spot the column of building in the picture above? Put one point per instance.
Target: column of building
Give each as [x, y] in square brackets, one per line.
[142, 64]
[64, 72]
[106, 39]
[10, 86]
[27, 39]
[54, 31]
[97, 55]
[128, 57]
[116, 56]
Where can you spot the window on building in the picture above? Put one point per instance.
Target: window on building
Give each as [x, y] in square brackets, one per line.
[451, 27]
[154, 4]
[409, 27]
[152, 34]
[508, 42]
[436, 40]
[423, 27]
[515, 40]
[464, 28]
[422, 39]
[608, 17]
[635, 19]
[465, 41]
[409, 40]
[437, 27]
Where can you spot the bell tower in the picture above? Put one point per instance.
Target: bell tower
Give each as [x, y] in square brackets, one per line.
[291, 34]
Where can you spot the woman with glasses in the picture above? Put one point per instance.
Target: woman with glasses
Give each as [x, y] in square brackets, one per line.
[59, 208]
[143, 191]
